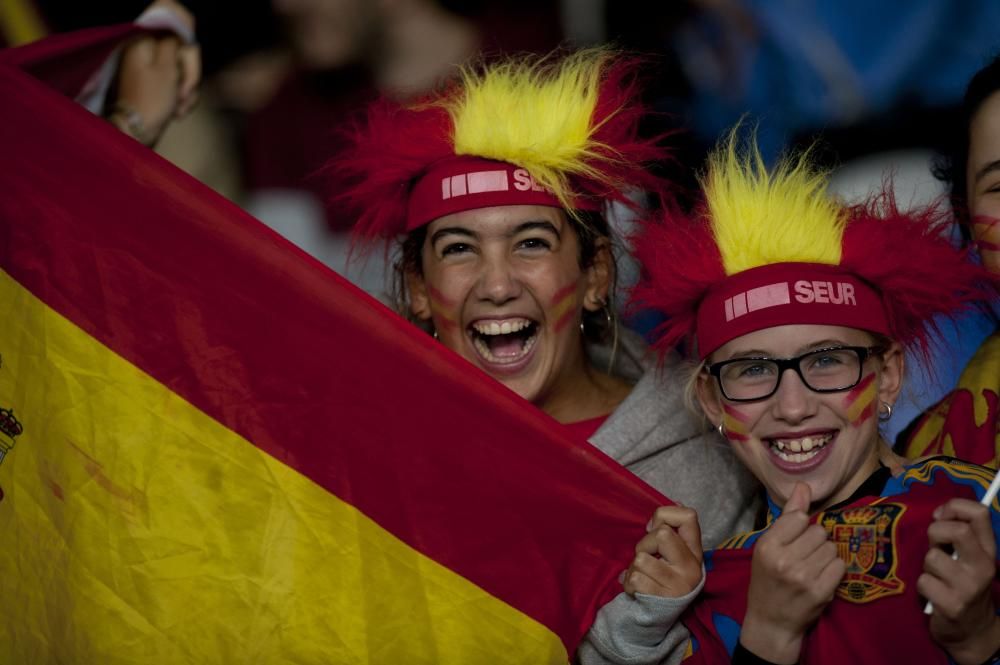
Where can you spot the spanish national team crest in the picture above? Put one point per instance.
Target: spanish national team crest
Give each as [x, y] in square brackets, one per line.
[865, 539]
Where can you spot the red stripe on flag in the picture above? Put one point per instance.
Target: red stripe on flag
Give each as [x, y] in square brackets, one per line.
[273, 345]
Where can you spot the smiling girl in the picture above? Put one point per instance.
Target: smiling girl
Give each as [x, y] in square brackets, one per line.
[799, 311]
[496, 189]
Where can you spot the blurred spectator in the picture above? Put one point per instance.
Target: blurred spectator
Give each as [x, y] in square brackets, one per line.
[20, 22]
[802, 65]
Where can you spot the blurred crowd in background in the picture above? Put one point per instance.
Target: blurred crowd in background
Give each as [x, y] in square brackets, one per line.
[877, 83]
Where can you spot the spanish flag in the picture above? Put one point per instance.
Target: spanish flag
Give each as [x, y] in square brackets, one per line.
[215, 450]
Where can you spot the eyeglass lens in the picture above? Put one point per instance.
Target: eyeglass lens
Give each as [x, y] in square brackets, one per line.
[825, 370]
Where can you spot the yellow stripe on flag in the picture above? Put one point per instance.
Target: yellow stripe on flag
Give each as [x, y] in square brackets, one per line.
[136, 529]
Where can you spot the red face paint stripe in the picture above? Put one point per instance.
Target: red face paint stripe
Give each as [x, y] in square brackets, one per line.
[439, 297]
[860, 402]
[563, 293]
[851, 396]
[563, 299]
[734, 423]
[986, 220]
[985, 225]
[735, 413]
[446, 318]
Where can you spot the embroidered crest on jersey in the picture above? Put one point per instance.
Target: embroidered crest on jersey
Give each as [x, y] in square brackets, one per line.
[865, 540]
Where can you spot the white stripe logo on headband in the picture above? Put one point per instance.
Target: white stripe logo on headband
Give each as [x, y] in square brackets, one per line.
[479, 182]
[772, 295]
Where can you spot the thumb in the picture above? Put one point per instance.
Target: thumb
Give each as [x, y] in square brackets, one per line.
[800, 499]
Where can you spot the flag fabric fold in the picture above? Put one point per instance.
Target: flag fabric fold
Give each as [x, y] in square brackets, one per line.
[224, 452]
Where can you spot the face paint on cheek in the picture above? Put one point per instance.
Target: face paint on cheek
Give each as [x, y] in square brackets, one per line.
[860, 401]
[987, 232]
[443, 310]
[562, 306]
[734, 424]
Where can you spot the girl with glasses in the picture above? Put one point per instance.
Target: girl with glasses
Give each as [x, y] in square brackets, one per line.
[798, 311]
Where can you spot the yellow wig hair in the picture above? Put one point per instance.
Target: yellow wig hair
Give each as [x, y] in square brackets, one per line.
[570, 119]
[537, 113]
[759, 218]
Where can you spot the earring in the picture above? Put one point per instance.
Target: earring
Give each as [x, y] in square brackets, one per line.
[609, 322]
[721, 430]
[884, 411]
[435, 335]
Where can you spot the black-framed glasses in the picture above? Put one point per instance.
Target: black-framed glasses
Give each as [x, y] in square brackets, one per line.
[823, 371]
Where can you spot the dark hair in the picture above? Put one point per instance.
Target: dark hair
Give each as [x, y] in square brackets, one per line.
[590, 228]
[951, 167]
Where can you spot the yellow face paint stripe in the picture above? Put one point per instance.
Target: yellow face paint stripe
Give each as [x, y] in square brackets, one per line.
[562, 306]
[734, 423]
[860, 401]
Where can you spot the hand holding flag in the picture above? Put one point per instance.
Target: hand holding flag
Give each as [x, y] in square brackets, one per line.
[668, 558]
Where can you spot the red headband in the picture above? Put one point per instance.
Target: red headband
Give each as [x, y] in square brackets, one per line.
[467, 183]
[787, 293]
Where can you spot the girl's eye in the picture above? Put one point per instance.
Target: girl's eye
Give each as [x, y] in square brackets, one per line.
[827, 360]
[534, 243]
[455, 248]
[748, 370]
[755, 369]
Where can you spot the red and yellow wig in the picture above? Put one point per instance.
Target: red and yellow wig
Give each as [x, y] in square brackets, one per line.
[559, 131]
[772, 248]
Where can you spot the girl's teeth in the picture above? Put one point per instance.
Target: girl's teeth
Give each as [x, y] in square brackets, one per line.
[799, 450]
[497, 328]
[797, 457]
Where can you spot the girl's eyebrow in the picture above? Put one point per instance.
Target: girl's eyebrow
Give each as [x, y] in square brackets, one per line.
[451, 230]
[535, 225]
[750, 353]
[813, 346]
[991, 166]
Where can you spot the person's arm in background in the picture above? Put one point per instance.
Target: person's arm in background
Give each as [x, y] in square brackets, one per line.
[157, 74]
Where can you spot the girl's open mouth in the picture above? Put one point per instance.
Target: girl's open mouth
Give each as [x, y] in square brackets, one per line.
[503, 341]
